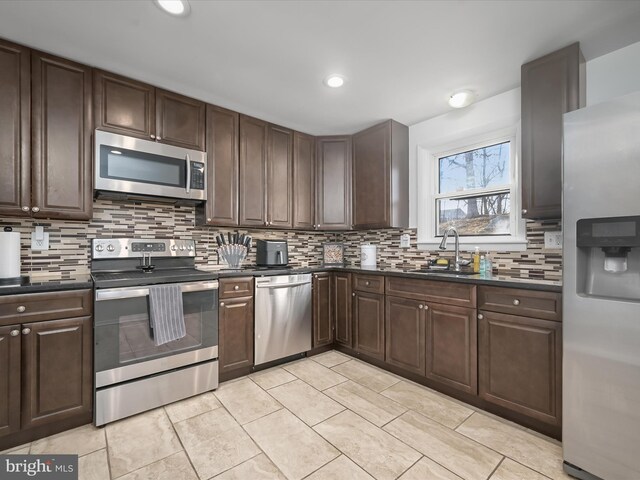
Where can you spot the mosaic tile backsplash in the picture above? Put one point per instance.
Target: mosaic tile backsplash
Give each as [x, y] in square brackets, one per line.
[69, 253]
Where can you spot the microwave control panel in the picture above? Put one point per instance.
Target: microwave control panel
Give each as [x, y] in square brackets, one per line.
[197, 176]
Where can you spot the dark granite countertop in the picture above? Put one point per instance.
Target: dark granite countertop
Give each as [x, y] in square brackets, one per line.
[497, 280]
[38, 284]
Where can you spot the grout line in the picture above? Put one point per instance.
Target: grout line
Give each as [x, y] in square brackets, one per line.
[497, 466]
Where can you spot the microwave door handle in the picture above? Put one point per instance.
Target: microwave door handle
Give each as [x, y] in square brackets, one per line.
[188, 159]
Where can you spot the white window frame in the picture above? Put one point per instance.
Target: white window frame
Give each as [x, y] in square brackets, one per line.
[428, 176]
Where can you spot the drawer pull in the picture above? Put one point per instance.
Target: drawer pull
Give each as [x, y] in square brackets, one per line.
[21, 309]
[26, 331]
[516, 302]
[353, 294]
[480, 316]
[236, 287]
[367, 283]
[222, 304]
[15, 333]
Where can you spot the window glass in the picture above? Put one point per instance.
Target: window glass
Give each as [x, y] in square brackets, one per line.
[486, 167]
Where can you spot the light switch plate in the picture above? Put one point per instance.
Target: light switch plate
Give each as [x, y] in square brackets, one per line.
[404, 240]
[553, 240]
[40, 244]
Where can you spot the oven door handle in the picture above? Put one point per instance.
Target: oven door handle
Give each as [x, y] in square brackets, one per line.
[133, 292]
[281, 285]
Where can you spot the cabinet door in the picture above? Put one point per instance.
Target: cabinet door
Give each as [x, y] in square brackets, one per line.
[405, 339]
[452, 352]
[61, 139]
[322, 317]
[235, 318]
[551, 86]
[521, 364]
[124, 106]
[253, 171]
[223, 168]
[333, 183]
[371, 177]
[304, 178]
[342, 310]
[57, 370]
[280, 177]
[15, 128]
[9, 379]
[180, 120]
[368, 315]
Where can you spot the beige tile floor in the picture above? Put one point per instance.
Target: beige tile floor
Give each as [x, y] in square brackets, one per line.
[328, 417]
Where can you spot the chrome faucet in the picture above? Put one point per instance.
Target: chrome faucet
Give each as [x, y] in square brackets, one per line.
[443, 246]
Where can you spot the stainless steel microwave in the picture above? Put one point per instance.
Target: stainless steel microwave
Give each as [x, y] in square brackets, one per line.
[128, 167]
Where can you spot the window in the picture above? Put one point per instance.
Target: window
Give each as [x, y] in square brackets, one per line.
[474, 191]
[472, 186]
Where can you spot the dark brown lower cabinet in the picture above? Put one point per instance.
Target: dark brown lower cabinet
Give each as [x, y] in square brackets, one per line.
[405, 334]
[235, 319]
[342, 309]
[57, 370]
[368, 318]
[322, 315]
[521, 364]
[9, 379]
[452, 346]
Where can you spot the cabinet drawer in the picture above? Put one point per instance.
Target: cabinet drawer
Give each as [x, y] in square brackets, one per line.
[35, 307]
[449, 293]
[526, 303]
[236, 287]
[368, 283]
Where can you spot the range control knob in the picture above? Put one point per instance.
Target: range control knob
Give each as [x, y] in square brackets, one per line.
[174, 248]
[110, 248]
[99, 247]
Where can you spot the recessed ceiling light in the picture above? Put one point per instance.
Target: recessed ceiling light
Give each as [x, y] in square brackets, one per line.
[334, 81]
[179, 8]
[461, 99]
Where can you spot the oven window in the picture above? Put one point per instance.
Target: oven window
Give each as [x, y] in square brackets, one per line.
[123, 334]
[130, 165]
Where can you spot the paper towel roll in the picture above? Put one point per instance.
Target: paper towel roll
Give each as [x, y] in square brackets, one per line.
[9, 254]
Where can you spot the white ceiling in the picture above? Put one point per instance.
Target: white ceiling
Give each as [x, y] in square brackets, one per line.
[268, 58]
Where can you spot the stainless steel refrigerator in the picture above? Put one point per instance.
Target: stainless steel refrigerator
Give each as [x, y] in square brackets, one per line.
[601, 293]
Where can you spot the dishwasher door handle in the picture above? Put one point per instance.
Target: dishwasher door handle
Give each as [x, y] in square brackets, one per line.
[280, 285]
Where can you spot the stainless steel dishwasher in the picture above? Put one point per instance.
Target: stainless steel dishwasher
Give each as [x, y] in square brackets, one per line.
[283, 316]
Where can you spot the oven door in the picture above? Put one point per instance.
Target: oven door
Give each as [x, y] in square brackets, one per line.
[140, 167]
[124, 348]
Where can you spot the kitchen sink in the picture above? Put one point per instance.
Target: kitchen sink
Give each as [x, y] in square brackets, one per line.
[445, 272]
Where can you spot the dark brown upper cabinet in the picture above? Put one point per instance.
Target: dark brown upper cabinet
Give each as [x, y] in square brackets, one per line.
[133, 108]
[61, 129]
[223, 168]
[304, 154]
[15, 124]
[333, 183]
[551, 85]
[279, 177]
[253, 171]
[381, 177]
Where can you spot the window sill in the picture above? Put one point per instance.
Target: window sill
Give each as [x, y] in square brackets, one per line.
[483, 243]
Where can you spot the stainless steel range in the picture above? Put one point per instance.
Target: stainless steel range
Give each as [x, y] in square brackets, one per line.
[133, 372]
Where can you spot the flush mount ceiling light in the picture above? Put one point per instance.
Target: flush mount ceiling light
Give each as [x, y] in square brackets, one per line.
[461, 99]
[334, 81]
[179, 8]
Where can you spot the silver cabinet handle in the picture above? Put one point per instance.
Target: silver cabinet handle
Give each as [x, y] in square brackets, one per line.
[353, 294]
[480, 316]
[420, 306]
[15, 333]
[188, 160]
[26, 331]
[25, 208]
[516, 302]
[222, 304]
[21, 309]
[153, 137]
[524, 211]
[35, 209]
[366, 283]
[158, 138]
[208, 220]
[236, 287]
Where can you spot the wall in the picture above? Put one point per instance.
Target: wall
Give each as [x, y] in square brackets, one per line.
[614, 74]
[69, 252]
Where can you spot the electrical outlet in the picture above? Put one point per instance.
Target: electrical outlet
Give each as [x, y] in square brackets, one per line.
[553, 240]
[404, 240]
[39, 239]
